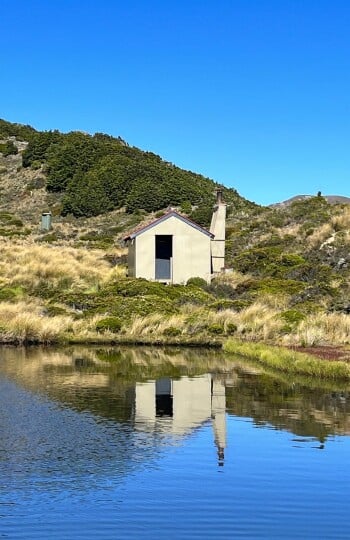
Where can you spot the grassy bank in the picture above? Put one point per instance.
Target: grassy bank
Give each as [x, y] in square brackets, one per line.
[289, 361]
[59, 293]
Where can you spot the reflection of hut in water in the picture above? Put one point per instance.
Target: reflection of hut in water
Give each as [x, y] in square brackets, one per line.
[180, 406]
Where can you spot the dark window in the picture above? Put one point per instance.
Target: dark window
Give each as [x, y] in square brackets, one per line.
[164, 254]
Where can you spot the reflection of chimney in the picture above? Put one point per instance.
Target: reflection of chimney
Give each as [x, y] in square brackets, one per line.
[218, 414]
[217, 227]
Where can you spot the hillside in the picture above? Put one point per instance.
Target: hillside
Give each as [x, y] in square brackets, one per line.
[289, 266]
[87, 175]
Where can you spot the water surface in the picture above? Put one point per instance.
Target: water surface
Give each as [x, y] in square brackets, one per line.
[124, 443]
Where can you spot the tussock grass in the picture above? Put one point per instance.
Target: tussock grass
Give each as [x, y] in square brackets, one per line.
[323, 328]
[342, 220]
[26, 323]
[321, 235]
[326, 233]
[289, 361]
[61, 267]
[233, 278]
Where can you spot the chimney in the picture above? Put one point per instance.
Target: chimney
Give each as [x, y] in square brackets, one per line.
[219, 196]
[217, 227]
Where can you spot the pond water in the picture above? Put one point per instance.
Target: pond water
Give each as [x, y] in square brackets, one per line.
[132, 443]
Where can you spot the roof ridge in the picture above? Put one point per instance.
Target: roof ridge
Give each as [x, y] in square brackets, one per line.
[167, 214]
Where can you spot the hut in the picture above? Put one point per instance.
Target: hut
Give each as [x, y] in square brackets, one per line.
[170, 249]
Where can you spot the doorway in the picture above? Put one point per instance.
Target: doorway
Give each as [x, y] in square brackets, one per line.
[164, 255]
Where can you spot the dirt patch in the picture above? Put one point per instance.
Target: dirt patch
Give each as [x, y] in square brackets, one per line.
[326, 352]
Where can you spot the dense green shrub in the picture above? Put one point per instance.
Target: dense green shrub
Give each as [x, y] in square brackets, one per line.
[109, 324]
[171, 331]
[216, 329]
[292, 316]
[8, 148]
[222, 304]
[20, 131]
[197, 281]
[10, 293]
[231, 328]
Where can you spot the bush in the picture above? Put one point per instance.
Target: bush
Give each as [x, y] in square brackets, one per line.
[292, 316]
[197, 281]
[171, 331]
[35, 165]
[109, 324]
[8, 293]
[231, 328]
[216, 329]
[8, 148]
[221, 305]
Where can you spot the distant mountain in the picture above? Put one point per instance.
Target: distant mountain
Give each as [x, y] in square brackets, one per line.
[331, 199]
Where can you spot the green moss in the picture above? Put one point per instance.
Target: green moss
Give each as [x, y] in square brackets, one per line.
[8, 219]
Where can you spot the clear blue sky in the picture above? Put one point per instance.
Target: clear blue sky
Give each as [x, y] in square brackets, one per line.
[252, 93]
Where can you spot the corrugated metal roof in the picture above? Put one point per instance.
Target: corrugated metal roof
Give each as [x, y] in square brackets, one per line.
[167, 215]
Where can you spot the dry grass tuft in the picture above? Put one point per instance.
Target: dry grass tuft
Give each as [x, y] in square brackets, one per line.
[26, 322]
[320, 329]
[30, 265]
[323, 234]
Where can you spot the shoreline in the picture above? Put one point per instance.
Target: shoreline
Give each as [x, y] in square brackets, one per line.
[325, 362]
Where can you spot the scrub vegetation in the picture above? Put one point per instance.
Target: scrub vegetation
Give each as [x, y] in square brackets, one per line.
[288, 282]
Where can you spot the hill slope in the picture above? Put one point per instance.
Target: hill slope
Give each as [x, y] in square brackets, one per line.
[91, 175]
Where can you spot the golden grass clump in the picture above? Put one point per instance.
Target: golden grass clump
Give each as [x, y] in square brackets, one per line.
[30, 265]
[26, 322]
[233, 278]
[322, 234]
[320, 329]
[341, 221]
[289, 230]
[155, 324]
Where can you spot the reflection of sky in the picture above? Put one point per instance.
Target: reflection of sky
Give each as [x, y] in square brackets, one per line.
[72, 465]
[269, 488]
[42, 442]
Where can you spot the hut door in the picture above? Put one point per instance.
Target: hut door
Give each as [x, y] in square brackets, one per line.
[164, 254]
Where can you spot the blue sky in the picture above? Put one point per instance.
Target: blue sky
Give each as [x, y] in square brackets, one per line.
[252, 93]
